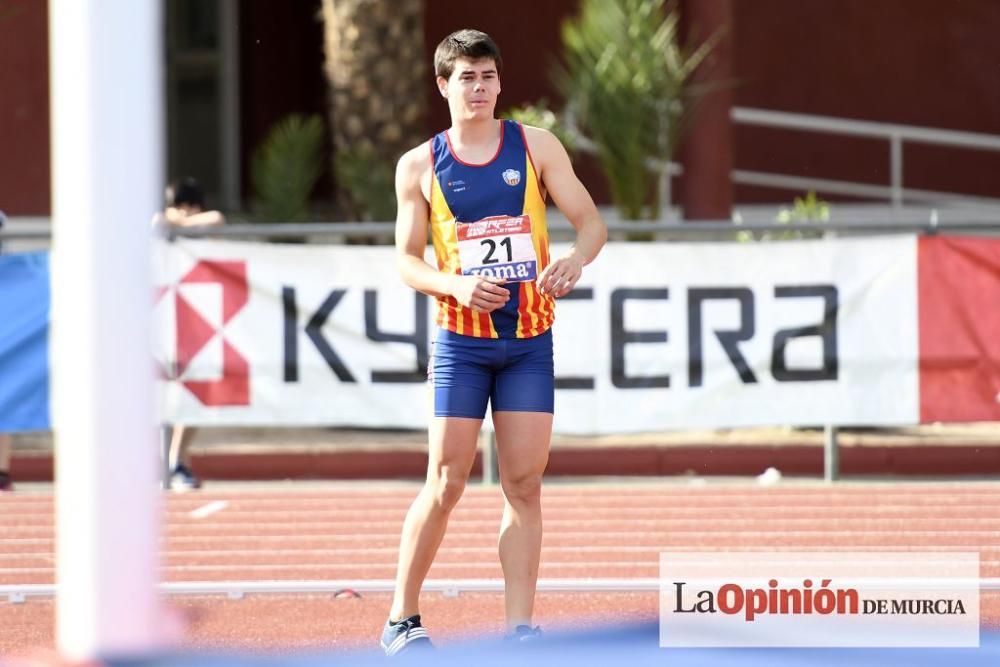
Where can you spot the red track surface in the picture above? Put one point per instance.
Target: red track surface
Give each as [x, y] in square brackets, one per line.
[351, 531]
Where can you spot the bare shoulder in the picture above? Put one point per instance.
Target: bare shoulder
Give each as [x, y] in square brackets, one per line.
[413, 171]
[544, 145]
[415, 161]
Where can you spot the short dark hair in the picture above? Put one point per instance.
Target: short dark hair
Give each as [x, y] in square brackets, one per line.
[185, 192]
[467, 43]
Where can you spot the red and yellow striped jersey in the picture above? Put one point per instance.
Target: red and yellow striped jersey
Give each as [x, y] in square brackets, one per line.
[490, 219]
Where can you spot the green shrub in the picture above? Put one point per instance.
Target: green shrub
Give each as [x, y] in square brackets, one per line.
[286, 167]
[367, 179]
[804, 209]
[540, 115]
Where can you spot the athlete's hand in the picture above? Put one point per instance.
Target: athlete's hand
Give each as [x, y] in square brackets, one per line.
[482, 294]
[559, 277]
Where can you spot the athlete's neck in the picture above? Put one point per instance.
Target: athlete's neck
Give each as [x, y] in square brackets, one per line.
[475, 134]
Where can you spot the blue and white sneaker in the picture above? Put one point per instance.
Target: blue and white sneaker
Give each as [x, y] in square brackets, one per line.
[525, 633]
[182, 479]
[404, 635]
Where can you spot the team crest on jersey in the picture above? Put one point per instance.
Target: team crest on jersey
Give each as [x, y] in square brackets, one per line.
[511, 177]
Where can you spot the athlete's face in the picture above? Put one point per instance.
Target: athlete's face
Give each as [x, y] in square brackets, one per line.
[472, 89]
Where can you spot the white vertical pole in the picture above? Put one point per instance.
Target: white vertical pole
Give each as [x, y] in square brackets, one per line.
[107, 155]
[831, 454]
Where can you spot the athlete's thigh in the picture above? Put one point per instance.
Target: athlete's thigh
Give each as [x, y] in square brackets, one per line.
[461, 378]
[452, 446]
[523, 398]
[523, 440]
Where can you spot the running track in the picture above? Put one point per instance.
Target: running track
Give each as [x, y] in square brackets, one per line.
[351, 531]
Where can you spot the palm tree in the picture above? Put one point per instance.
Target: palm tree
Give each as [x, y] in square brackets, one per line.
[376, 71]
[627, 82]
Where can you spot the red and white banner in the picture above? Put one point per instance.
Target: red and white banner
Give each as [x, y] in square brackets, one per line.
[959, 295]
[873, 331]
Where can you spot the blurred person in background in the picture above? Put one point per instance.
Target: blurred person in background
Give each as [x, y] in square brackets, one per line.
[184, 207]
[480, 188]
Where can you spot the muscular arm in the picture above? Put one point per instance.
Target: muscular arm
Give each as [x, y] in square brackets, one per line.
[412, 217]
[412, 214]
[568, 193]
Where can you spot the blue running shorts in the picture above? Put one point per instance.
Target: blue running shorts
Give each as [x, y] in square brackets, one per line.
[512, 374]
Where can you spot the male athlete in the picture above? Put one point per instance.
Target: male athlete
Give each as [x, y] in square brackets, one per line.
[480, 188]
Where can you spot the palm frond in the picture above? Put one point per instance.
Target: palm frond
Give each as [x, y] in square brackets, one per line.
[624, 76]
[286, 167]
[367, 180]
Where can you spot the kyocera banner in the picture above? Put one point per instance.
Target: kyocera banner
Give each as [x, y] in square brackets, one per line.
[655, 336]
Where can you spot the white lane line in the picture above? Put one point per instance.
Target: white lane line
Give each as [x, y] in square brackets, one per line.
[209, 509]
[448, 587]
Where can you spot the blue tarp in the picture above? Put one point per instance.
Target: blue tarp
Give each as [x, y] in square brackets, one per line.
[24, 342]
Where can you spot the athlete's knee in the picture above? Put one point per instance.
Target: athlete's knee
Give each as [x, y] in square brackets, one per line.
[522, 489]
[446, 489]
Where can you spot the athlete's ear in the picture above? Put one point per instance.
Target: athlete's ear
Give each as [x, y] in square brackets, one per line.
[443, 86]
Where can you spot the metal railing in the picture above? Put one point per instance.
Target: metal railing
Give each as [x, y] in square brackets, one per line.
[237, 590]
[896, 135]
[559, 228]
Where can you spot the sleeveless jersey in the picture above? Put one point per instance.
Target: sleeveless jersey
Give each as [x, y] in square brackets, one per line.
[490, 219]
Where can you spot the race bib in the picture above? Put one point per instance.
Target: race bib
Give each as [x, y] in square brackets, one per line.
[499, 247]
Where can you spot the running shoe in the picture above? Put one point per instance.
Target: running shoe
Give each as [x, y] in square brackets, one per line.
[404, 635]
[525, 633]
[182, 479]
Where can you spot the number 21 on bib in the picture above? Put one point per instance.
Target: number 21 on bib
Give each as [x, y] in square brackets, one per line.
[499, 247]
